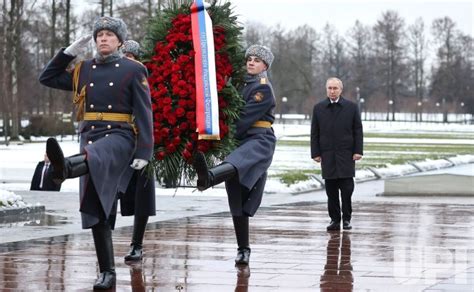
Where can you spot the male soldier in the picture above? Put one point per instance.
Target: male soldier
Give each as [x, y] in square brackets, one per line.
[139, 199]
[108, 90]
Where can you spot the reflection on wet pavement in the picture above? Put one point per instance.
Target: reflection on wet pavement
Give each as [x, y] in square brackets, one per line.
[34, 219]
[393, 247]
[338, 269]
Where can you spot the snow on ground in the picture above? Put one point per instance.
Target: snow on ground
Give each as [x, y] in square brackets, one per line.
[17, 162]
[11, 200]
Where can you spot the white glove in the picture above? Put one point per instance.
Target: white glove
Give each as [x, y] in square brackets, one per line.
[138, 164]
[78, 46]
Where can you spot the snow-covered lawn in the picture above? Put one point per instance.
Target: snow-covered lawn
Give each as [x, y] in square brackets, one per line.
[17, 162]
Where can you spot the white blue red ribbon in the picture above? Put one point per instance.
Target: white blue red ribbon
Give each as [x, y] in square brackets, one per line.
[207, 107]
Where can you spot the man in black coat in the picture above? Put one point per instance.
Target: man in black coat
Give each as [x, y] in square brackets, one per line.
[336, 143]
[42, 177]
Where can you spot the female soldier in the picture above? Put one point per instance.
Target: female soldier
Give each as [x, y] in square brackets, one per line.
[245, 169]
[139, 199]
[108, 90]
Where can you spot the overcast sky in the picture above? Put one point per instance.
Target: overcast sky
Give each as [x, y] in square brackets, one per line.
[342, 13]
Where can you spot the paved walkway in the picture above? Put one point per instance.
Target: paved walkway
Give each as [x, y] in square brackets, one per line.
[397, 244]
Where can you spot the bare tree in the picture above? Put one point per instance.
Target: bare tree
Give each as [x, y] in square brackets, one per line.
[13, 50]
[389, 50]
[361, 75]
[418, 46]
[449, 72]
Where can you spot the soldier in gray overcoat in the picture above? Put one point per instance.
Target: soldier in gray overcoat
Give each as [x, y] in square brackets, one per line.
[245, 169]
[337, 143]
[114, 109]
[139, 199]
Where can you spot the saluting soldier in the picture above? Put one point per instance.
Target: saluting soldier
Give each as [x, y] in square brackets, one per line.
[109, 90]
[245, 169]
[139, 199]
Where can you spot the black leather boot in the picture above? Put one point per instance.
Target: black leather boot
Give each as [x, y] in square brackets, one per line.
[243, 256]
[136, 248]
[105, 255]
[64, 168]
[211, 177]
[241, 227]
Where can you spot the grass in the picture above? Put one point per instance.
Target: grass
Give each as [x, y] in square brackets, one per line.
[378, 155]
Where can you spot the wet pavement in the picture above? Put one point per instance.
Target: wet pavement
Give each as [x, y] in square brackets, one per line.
[394, 246]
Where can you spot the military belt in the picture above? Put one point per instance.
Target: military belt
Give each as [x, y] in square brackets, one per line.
[262, 124]
[111, 117]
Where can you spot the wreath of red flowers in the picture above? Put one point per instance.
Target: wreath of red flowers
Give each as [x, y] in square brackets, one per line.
[173, 93]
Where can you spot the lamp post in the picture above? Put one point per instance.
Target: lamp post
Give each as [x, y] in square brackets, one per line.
[362, 101]
[284, 100]
[390, 103]
[419, 111]
[462, 112]
[437, 111]
[358, 96]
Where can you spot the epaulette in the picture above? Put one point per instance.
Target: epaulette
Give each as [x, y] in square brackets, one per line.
[136, 61]
[263, 80]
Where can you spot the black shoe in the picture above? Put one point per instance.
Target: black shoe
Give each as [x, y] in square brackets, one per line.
[56, 156]
[105, 281]
[135, 253]
[346, 225]
[200, 165]
[243, 256]
[333, 226]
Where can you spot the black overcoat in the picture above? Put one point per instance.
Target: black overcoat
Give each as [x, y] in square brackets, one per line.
[256, 147]
[336, 134]
[118, 85]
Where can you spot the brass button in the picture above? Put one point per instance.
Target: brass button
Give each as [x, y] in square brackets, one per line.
[91, 106]
[117, 65]
[111, 84]
[94, 66]
[109, 127]
[92, 127]
[91, 84]
[99, 116]
[89, 142]
[106, 135]
[109, 106]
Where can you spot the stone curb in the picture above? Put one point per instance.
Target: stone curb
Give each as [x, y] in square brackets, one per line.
[5, 212]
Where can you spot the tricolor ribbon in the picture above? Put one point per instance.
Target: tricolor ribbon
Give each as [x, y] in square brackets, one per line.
[207, 108]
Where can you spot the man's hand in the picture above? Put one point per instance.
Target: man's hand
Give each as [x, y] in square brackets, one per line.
[138, 164]
[79, 46]
[317, 159]
[356, 157]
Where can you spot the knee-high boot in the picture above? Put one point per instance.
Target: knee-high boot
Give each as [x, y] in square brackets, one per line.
[136, 247]
[104, 249]
[241, 227]
[211, 177]
[64, 168]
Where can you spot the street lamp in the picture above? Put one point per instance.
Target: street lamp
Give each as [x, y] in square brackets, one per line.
[284, 100]
[462, 111]
[362, 101]
[419, 111]
[390, 103]
[358, 96]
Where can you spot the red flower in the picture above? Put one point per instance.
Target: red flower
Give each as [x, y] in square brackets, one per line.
[172, 86]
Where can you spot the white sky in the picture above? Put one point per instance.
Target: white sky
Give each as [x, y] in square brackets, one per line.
[341, 13]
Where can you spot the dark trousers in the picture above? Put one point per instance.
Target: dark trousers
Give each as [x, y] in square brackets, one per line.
[333, 186]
